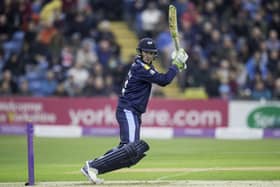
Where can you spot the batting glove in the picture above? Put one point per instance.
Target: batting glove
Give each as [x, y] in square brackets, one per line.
[179, 59]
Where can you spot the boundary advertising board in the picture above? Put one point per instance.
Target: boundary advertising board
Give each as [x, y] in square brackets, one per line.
[100, 112]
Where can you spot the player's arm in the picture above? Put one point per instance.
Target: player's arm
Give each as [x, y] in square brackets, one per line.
[178, 64]
[162, 79]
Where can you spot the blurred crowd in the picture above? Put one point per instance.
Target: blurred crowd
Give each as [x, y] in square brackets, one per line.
[233, 45]
[59, 48]
[67, 47]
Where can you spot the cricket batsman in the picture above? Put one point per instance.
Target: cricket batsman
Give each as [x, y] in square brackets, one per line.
[132, 104]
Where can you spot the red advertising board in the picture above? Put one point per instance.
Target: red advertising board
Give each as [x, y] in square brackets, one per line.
[187, 113]
[100, 112]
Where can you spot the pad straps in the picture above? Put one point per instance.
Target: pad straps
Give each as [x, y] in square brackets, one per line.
[125, 156]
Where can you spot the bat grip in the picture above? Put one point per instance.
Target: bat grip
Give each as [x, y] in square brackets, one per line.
[176, 42]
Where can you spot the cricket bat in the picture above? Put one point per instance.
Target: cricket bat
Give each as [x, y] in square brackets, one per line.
[173, 28]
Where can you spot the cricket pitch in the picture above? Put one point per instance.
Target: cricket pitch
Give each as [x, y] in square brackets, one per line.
[151, 183]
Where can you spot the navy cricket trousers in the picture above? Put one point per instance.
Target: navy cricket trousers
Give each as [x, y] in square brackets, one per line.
[129, 123]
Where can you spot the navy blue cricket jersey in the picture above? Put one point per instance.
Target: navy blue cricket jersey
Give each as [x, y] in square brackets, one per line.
[137, 88]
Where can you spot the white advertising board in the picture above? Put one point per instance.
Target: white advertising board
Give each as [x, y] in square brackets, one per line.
[254, 114]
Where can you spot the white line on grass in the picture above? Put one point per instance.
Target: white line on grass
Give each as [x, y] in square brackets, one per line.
[153, 183]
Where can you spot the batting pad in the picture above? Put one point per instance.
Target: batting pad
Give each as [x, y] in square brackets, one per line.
[125, 156]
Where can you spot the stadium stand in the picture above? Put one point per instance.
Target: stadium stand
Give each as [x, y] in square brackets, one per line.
[234, 47]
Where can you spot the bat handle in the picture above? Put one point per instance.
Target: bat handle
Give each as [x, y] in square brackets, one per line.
[177, 45]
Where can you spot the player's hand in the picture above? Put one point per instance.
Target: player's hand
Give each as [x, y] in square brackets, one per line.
[179, 59]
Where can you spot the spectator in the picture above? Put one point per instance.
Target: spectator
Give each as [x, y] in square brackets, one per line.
[254, 38]
[2, 61]
[71, 88]
[269, 82]
[223, 70]
[224, 89]
[212, 86]
[104, 31]
[198, 80]
[36, 71]
[273, 63]
[7, 83]
[150, 17]
[226, 48]
[165, 45]
[50, 11]
[242, 49]
[67, 57]
[89, 88]
[60, 91]
[24, 88]
[233, 85]
[276, 93]
[190, 15]
[213, 48]
[49, 84]
[47, 33]
[97, 70]
[181, 6]
[99, 86]
[5, 89]
[109, 86]
[256, 64]
[273, 43]
[78, 25]
[5, 29]
[104, 52]
[260, 91]
[86, 55]
[15, 65]
[57, 69]
[79, 75]
[36, 7]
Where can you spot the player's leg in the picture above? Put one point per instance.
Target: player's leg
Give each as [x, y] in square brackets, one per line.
[129, 123]
[130, 151]
[125, 156]
[129, 127]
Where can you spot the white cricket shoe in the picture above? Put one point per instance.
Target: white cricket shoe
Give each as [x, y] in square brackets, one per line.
[91, 174]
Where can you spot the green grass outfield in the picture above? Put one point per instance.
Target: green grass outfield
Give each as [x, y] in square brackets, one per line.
[177, 159]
